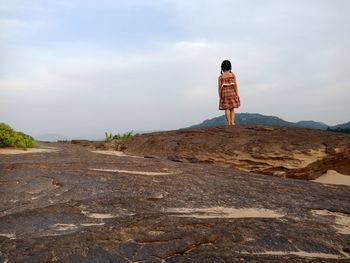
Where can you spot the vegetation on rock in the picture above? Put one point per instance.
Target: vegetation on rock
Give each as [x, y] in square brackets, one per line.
[110, 136]
[12, 138]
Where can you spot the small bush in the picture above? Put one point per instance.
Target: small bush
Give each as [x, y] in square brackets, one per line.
[11, 138]
[110, 136]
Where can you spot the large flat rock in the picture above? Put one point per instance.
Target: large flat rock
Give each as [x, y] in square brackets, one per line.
[276, 150]
[77, 205]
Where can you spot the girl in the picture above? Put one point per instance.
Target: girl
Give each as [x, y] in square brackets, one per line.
[228, 93]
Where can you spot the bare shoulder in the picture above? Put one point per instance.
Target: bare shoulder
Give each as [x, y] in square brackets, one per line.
[220, 77]
[233, 75]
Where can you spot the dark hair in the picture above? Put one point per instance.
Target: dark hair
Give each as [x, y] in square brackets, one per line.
[225, 65]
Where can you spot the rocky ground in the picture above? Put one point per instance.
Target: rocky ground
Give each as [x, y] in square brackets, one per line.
[75, 203]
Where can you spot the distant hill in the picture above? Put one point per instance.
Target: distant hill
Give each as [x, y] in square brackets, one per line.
[344, 128]
[312, 124]
[341, 126]
[246, 118]
[256, 118]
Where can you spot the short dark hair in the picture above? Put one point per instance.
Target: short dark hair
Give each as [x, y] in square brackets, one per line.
[225, 65]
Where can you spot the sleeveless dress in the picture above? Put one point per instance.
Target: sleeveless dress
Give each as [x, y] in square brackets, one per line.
[229, 98]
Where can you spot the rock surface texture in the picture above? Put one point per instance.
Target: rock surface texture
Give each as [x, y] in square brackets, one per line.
[276, 150]
[81, 204]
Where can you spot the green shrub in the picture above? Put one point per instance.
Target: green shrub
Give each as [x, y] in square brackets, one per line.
[11, 138]
[110, 136]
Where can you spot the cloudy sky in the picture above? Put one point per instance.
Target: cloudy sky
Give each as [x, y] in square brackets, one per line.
[83, 67]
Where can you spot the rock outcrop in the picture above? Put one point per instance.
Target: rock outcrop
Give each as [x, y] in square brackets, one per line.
[282, 151]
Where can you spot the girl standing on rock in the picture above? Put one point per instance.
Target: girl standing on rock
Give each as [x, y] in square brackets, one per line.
[228, 93]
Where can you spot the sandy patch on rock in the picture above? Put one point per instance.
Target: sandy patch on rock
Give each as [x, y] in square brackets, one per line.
[64, 227]
[155, 232]
[341, 221]
[224, 212]
[310, 156]
[333, 177]
[8, 235]
[128, 171]
[293, 160]
[92, 224]
[29, 150]
[69, 227]
[298, 253]
[116, 153]
[98, 215]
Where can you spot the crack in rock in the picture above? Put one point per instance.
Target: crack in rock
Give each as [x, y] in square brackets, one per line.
[128, 171]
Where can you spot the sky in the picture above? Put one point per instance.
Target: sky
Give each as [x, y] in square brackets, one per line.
[82, 67]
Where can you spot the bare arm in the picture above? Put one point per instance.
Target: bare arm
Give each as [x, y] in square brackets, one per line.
[235, 86]
[219, 86]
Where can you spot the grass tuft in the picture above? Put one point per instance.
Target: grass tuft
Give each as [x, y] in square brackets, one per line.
[110, 136]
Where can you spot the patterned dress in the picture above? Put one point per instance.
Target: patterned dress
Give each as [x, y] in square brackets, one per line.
[229, 98]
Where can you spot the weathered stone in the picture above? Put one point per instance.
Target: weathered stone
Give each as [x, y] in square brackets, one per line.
[281, 151]
[77, 205]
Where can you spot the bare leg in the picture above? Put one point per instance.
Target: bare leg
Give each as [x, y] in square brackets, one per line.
[227, 115]
[232, 116]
